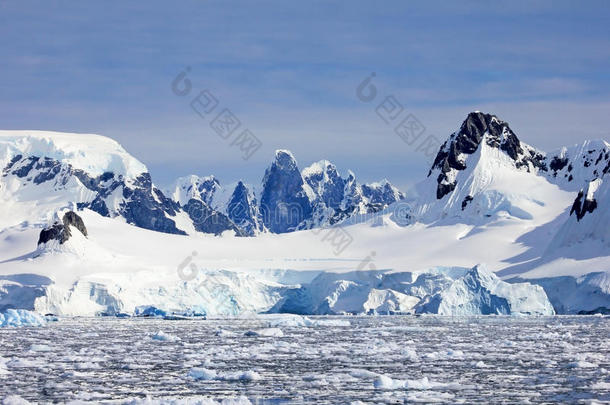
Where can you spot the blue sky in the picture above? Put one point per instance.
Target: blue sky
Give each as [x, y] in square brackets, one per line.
[289, 72]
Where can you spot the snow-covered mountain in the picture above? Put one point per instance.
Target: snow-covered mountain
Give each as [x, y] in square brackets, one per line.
[46, 171]
[539, 222]
[287, 200]
[572, 167]
[337, 198]
[484, 171]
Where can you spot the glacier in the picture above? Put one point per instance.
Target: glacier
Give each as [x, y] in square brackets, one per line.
[444, 291]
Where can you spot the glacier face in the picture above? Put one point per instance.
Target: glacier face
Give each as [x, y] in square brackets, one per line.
[443, 291]
[585, 294]
[20, 317]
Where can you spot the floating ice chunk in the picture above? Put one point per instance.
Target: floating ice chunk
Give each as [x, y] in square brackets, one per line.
[191, 400]
[383, 382]
[331, 322]
[581, 364]
[361, 373]
[410, 354]
[203, 374]
[164, 337]
[23, 363]
[14, 400]
[224, 333]
[289, 320]
[248, 375]
[602, 385]
[3, 370]
[40, 348]
[21, 317]
[206, 374]
[268, 332]
[447, 354]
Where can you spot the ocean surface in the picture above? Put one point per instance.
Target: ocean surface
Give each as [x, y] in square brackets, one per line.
[291, 359]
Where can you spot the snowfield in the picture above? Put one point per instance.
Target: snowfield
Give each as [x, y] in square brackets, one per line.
[113, 270]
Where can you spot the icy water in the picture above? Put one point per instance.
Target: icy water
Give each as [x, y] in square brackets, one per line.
[373, 360]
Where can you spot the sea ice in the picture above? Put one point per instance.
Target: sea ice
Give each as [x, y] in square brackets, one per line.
[267, 332]
[164, 337]
[209, 375]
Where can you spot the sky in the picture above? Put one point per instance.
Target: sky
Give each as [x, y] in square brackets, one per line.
[290, 72]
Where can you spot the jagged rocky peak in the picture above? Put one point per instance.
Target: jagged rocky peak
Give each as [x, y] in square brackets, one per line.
[242, 209]
[481, 128]
[477, 125]
[201, 188]
[60, 230]
[284, 159]
[197, 197]
[382, 192]
[326, 183]
[285, 202]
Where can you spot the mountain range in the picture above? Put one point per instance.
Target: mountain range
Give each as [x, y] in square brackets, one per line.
[287, 200]
[539, 221]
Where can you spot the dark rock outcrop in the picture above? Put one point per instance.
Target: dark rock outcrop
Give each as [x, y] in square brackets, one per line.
[582, 205]
[60, 231]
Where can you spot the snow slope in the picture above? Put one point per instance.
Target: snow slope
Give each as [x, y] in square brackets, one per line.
[115, 270]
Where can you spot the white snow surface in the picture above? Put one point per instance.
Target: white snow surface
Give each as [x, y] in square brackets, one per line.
[95, 154]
